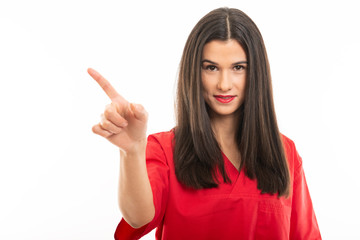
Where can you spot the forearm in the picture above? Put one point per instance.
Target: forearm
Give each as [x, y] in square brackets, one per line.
[135, 194]
[124, 125]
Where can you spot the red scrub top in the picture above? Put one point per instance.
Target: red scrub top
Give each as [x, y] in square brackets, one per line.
[235, 210]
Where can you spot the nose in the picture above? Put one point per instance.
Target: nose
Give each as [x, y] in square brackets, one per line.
[225, 82]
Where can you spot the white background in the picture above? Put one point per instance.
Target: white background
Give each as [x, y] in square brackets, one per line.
[59, 181]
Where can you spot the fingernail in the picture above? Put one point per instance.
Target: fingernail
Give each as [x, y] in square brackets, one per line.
[132, 106]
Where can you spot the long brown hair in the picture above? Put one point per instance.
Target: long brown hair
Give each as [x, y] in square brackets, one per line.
[197, 154]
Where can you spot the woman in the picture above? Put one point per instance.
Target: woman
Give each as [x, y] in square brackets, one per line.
[225, 171]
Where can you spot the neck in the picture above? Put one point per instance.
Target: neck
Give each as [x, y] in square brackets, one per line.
[225, 128]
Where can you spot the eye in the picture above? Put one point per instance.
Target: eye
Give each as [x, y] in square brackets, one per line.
[239, 67]
[211, 68]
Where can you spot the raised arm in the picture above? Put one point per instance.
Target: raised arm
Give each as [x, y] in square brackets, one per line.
[124, 124]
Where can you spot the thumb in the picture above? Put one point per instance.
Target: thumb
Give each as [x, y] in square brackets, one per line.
[139, 111]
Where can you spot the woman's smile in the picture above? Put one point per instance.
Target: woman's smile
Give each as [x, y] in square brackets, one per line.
[224, 98]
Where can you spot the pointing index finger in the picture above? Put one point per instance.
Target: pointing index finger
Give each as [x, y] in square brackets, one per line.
[104, 84]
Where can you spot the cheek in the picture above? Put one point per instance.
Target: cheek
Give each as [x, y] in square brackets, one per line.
[242, 83]
[207, 83]
[205, 92]
[204, 85]
[243, 89]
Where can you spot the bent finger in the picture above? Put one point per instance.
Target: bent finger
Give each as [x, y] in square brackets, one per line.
[139, 111]
[111, 113]
[97, 129]
[109, 126]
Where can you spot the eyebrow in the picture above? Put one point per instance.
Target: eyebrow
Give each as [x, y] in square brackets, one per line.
[236, 63]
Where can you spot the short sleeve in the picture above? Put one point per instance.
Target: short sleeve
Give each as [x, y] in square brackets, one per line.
[158, 173]
[303, 220]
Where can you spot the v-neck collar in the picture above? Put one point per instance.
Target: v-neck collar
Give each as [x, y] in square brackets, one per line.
[231, 170]
[239, 182]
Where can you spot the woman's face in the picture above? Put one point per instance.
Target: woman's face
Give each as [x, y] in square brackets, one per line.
[223, 75]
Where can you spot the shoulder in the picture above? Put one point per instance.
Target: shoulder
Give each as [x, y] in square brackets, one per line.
[288, 143]
[163, 140]
[162, 137]
[292, 154]
[159, 149]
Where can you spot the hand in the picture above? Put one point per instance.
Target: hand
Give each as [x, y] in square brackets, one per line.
[122, 123]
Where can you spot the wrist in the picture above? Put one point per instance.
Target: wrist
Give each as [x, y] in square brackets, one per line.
[137, 150]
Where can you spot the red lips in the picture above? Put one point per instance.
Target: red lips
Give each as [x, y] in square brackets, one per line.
[224, 98]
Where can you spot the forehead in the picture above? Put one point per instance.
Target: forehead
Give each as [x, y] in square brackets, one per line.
[224, 51]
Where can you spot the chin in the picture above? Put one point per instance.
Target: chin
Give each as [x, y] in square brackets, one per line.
[223, 113]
